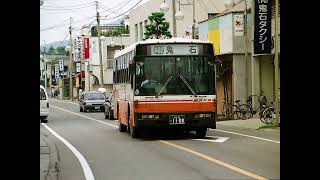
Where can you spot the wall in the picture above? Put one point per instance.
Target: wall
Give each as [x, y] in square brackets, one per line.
[267, 77]
[203, 31]
[220, 33]
[239, 41]
[141, 13]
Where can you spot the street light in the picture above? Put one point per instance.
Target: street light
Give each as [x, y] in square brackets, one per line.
[179, 15]
[164, 7]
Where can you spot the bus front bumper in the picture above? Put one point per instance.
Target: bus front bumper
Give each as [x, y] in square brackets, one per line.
[191, 120]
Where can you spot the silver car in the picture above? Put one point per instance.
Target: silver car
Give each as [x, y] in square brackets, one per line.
[92, 100]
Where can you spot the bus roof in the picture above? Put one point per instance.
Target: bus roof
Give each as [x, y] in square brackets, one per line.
[158, 41]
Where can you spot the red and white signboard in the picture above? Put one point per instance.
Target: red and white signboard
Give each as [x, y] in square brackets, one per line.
[86, 48]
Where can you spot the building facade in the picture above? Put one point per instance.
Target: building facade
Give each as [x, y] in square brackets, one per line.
[139, 16]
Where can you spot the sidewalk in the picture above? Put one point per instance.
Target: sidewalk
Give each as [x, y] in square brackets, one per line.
[48, 159]
[248, 123]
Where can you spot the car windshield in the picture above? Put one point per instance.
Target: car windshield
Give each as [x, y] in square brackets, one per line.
[94, 96]
[42, 95]
[176, 75]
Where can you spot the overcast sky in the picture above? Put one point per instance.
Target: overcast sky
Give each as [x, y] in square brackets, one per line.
[55, 15]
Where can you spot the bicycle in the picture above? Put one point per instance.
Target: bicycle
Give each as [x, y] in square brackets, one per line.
[231, 110]
[269, 114]
[251, 111]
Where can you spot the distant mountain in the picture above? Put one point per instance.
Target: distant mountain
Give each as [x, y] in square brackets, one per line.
[55, 44]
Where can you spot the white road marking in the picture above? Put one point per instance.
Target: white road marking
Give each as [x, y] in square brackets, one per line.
[86, 117]
[217, 139]
[247, 135]
[264, 139]
[84, 164]
[63, 101]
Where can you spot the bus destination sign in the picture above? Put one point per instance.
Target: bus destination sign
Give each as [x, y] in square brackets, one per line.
[174, 49]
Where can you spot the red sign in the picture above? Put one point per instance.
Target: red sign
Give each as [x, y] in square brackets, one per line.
[86, 48]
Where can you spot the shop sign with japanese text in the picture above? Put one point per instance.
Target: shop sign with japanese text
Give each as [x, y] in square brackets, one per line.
[262, 27]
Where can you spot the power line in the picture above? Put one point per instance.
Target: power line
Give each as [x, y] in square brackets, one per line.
[214, 5]
[63, 39]
[124, 12]
[84, 4]
[65, 9]
[125, 3]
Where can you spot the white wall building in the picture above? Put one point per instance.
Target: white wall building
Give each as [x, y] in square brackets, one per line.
[92, 67]
[138, 17]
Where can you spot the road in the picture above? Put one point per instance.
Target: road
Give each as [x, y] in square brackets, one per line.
[227, 153]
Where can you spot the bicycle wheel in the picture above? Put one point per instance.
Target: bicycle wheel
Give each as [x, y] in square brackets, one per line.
[245, 111]
[237, 112]
[269, 115]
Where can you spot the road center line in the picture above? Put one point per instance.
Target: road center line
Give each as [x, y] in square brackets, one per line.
[84, 164]
[241, 171]
[264, 139]
[86, 117]
[221, 163]
[246, 135]
[63, 101]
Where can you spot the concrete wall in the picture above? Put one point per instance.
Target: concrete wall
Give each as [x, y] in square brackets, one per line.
[141, 13]
[267, 77]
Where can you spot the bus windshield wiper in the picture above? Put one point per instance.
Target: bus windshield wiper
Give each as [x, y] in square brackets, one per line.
[188, 85]
[165, 84]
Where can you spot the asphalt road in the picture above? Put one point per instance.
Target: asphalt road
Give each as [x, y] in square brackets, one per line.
[158, 155]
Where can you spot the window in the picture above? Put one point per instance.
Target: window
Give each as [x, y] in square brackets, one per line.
[136, 32]
[141, 31]
[145, 23]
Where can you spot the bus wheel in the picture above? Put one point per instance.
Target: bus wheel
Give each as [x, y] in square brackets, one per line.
[133, 132]
[122, 127]
[201, 133]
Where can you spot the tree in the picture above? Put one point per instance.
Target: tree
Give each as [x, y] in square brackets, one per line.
[60, 50]
[158, 27]
[51, 50]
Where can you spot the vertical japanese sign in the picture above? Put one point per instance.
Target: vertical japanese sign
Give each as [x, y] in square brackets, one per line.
[262, 27]
[86, 48]
[238, 25]
[78, 67]
[56, 71]
[61, 65]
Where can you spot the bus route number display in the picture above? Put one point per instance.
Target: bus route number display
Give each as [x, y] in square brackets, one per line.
[174, 49]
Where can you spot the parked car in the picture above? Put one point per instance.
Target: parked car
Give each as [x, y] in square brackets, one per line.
[92, 100]
[44, 105]
[108, 107]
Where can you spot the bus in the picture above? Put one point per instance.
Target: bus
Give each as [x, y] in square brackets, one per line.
[165, 83]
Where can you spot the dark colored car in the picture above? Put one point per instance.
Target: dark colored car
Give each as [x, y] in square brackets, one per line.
[108, 107]
[92, 100]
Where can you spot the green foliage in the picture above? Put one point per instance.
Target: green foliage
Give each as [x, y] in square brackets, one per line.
[60, 50]
[115, 32]
[158, 27]
[51, 50]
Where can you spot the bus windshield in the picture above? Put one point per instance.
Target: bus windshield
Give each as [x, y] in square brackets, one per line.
[174, 75]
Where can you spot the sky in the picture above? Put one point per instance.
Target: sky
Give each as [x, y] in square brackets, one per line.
[55, 16]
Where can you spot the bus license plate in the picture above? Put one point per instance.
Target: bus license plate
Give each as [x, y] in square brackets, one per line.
[97, 107]
[176, 119]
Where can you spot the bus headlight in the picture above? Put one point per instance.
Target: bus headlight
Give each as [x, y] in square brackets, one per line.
[204, 115]
[150, 116]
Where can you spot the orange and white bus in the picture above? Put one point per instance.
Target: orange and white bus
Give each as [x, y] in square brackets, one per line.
[165, 83]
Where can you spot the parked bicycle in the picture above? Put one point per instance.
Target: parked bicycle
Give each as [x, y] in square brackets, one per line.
[269, 114]
[233, 111]
[250, 111]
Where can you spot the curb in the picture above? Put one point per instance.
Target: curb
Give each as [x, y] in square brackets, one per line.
[53, 165]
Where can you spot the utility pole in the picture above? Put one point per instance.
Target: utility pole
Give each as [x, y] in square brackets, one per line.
[174, 23]
[99, 42]
[70, 65]
[193, 20]
[246, 46]
[45, 65]
[276, 66]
